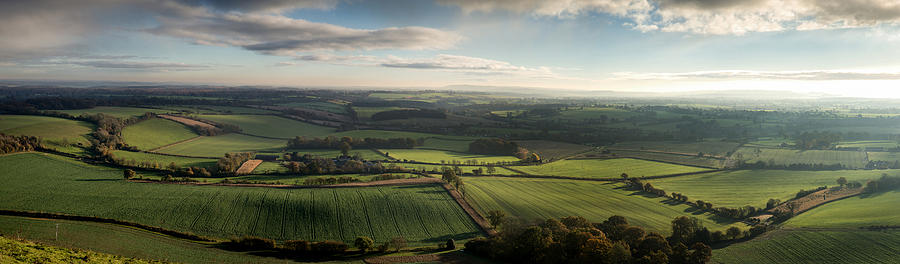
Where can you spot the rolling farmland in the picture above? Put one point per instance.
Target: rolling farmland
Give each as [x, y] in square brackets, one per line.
[859, 211]
[271, 126]
[549, 150]
[163, 160]
[422, 213]
[850, 159]
[383, 134]
[607, 168]
[447, 144]
[217, 146]
[438, 156]
[756, 187]
[156, 132]
[120, 112]
[820, 246]
[717, 148]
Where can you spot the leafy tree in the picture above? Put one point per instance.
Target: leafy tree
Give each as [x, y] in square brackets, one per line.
[397, 243]
[364, 243]
[496, 217]
[684, 228]
[701, 254]
[733, 232]
[451, 244]
[491, 170]
[842, 181]
[129, 173]
[345, 149]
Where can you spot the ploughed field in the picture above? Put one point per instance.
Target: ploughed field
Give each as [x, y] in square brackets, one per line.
[607, 168]
[538, 199]
[421, 213]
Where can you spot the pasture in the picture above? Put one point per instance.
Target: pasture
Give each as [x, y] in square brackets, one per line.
[531, 199]
[665, 157]
[321, 106]
[715, 148]
[606, 168]
[819, 246]
[18, 251]
[270, 126]
[120, 112]
[57, 133]
[156, 132]
[444, 157]
[365, 113]
[784, 157]
[863, 144]
[163, 160]
[121, 241]
[550, 150]
[421, 213]
[884, 156]
[219, 145]
[859, 211]
[457, 145]
[755, 187]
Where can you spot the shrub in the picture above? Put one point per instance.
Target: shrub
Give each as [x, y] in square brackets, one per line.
[451, 244]
[329, 247]
[253, 243]
[297, 246]
[364, 243]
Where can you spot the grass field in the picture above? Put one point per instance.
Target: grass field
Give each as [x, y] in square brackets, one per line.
[756, 187]
[868, 144]
[672, 158]
[164, 160]
[293, 179]
[545, 198]
[549, 150]
[385, 134]
[421, 214]
[271, 126]
[219, 145]
[820, 246]
[717, 148]
[156, 132]
[884, 156]
[365, 113]
[322, 106]
[17, 251]
[447, 144]
[850, 159]
[439, 156]
[120, 112]
[606, 168]
[859, 211]
[121, 241]
[57, 133]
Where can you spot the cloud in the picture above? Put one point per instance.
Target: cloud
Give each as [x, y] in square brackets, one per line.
[814, 75]
[465, 64]
[262, 5]
[712, 17]
[138, 65]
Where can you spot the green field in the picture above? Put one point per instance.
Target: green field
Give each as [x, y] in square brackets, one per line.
[850, 159]
[271, 126]
[545, 198]
[58, 133]
[756, 187]
[164, 160]
[322, 106]
[465, 169]
[219, 145]
[550, 150]
[860, 211]
[664, 157]
[819, 246]
[447, 144]
[156, 132]
[121, 241]
[422, 213]
[384, 134]
[717, 148]
[365, 113]
[17, 251]
[884, 156]
[868, 144]
[120, 112]
[440, 156]
[296, 179]
[606, 168]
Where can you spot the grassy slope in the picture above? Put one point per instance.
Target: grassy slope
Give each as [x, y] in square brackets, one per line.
[17, 251]
[423, 213]
[156, 132]
[707, 147]
[755, 187]
[219, 145]
[164, 160]
[851, 159]
[57, 133]
[271, 126]
[436, 156]
[609, 168]
[121, 112]
[821, 246]
[544, 198]
[120, 240]
[859, 211]
[447, 144]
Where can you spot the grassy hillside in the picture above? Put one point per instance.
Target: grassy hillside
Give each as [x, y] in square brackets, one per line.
[437, 156]
[821, 246]
[18, 251]
[219, 145]
[156, 132]
[120, 112]
[545, 198]
[164, 160]
[859, 211]
[447, 144]
[756, 187]
[850, 159]
[424, 213]
[57, 133]
[606, 168]
[717, 148]
[271, 126]
[120, 241]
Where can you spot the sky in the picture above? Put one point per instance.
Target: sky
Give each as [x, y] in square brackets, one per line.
[847, 47]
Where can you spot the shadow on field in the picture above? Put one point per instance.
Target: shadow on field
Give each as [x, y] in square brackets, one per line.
[457, 237]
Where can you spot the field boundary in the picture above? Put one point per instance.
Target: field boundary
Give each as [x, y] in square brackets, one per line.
[173, 233]
[180, 156]
[473, 214]
[668, 152]
[396, 182]
[654, 160]
[535, 176]
[172, 144]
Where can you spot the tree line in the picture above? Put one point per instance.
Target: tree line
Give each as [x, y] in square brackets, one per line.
[307, 164]
[228, 164]
[408, 113]
[12, 144]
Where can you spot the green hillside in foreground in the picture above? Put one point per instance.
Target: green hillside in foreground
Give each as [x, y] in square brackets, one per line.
[537, 199]
[859, 211]
[421, 214]
[819, 246]
[19, 251]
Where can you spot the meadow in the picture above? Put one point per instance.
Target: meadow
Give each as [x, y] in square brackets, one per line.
[850, 159]
[884, 156]
[755, 187]
[819, 246]
[365, 113]
[440, 156]
[538, 199]
[716, 148]
[120, 112]
[217, 146]
[271, 126]
[862, 144]
[550, 150]
[606, 168]
[421, 213]
[164, 160]
[859, 211]
[465, 169]
[156, 132]
[457, 145]
[384, 134]
[665, 157]
[322, 106]
[58, 133]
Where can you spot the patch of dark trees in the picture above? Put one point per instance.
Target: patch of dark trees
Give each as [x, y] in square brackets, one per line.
[882, 165]
[313, 250]
[13, 144]
[408, 113]
[231, 162]
[576, 240]
[885, 183]
[816, 140]
[493, 146]
[307, 164]
[332, 142]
